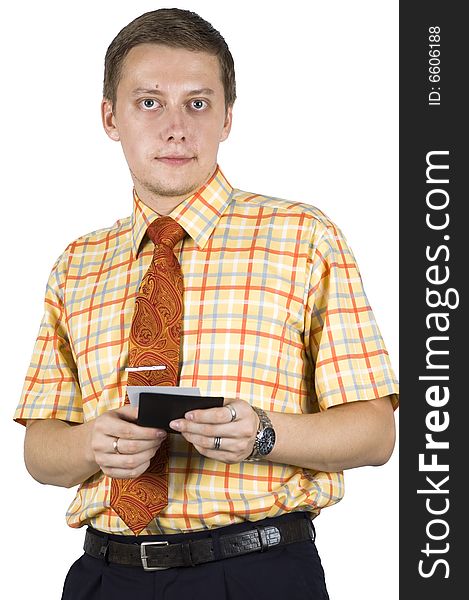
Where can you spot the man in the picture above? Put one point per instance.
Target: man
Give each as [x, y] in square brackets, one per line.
[275, 320]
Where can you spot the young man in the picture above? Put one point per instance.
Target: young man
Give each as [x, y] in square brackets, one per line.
[274, 320]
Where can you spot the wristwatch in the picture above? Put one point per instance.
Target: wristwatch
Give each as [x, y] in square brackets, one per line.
[265, 437]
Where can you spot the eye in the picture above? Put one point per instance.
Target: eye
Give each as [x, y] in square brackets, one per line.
[198, 104]
[149, 104]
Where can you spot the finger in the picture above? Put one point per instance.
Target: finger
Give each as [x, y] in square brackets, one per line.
[126, 462]
[126, 446]
[127, 412]
[208, 443]
[220, 415]
[220, 455]
[105, 444]
[119, 473]
[206, 429]
[115, 426]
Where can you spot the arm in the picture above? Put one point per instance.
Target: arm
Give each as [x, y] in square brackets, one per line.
[65, 454]
[55, 452]
[343, 437]
[60, 452]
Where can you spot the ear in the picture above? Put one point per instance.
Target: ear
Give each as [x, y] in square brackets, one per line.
[227, 124]
[109, 120]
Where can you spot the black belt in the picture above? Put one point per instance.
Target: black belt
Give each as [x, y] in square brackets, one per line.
[163, 554]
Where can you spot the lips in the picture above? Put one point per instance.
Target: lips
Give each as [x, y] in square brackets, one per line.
[174, 160]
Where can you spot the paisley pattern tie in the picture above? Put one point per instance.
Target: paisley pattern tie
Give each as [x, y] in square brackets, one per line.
[154, 339]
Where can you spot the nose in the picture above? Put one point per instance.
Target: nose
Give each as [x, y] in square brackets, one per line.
[175, 128]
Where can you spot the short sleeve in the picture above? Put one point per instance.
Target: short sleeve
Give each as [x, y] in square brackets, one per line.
[51, 389]
[350, 361]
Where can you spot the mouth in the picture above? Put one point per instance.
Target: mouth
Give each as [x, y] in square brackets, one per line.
[174, 160]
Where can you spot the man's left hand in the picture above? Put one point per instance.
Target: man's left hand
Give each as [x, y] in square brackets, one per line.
[220, 433]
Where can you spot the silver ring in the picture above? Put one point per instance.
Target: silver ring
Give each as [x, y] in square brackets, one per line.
[115, 445]
[216, 443]
[232, 411]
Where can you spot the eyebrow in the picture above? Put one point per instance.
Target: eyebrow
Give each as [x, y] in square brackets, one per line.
[198, 92]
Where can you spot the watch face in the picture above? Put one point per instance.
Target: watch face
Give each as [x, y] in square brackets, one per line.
[267, 441]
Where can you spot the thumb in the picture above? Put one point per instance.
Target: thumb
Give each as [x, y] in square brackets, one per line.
[127, 412]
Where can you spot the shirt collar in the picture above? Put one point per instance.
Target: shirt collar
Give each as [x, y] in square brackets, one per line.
[198, 214]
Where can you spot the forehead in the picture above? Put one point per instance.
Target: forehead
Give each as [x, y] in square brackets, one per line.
[163, 66]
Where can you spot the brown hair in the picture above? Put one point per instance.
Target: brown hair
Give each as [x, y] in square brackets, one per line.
[170, 27]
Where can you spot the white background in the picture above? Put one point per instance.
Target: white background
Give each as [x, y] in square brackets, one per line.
[316, 121]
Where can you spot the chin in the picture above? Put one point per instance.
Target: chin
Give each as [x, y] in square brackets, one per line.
[172, 189]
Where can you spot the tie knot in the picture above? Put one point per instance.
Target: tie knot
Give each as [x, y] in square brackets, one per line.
[165, 230]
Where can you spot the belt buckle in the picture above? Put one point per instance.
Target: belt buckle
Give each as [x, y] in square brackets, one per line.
[144, 557]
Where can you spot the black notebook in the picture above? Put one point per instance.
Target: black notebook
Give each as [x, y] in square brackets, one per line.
[157, 410]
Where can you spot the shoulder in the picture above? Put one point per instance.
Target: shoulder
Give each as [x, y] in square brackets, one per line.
[116, 233]
[95, 244]
[309, 215]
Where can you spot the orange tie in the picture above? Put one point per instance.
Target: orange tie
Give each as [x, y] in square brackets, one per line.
[155, 337]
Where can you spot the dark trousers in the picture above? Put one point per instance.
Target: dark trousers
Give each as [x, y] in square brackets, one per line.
[291, 572]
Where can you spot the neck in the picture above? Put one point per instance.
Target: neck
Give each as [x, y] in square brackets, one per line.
[165, 204]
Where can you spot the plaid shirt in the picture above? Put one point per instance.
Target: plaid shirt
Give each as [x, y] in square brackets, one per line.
[274, 313]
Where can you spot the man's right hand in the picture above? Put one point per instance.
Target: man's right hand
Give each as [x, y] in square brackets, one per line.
[130, 456]
[66, 454]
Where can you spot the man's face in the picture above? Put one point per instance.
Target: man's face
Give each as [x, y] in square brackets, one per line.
[170, 118]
